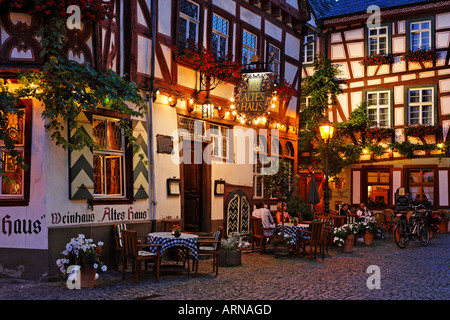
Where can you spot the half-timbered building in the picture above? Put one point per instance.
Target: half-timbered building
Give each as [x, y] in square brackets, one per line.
[407, 89]
[63, 193]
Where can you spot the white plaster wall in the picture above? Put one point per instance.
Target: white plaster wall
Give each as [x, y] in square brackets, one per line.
[165, 17]
[273, 31]
[292, 46]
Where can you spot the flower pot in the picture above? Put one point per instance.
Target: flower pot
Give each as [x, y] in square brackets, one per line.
[443, 226]
[281, 251]
[87, 276]
[177, 234]
[230, 258]
[347, 247]
[368, 238]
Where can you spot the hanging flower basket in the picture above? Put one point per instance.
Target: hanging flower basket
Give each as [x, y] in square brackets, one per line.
[420, 55]
[421, 130]
[377, 60]
[283, 88]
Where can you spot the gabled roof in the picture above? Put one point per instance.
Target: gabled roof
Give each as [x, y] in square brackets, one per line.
[333, 8]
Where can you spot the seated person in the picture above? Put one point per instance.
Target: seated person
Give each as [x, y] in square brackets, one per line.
[285, 215]
[344, 210]
[265, 216]
[362, 211]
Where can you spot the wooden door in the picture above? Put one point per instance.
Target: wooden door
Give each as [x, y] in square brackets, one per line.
[192, 186]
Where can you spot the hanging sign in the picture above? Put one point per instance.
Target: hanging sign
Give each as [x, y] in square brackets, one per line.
[254, 92]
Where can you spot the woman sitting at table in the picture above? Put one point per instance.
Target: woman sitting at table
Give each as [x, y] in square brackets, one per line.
[281, 212]
[344, 210]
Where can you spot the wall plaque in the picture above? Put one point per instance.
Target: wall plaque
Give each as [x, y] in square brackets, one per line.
[164, 144]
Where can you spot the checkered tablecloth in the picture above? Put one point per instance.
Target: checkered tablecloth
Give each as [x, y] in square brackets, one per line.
[291, 231]
[168, 240]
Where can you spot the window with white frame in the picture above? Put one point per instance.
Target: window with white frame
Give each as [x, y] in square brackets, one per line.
[378, 39]
[421, 106]
[249, 46]
[275, 56]
[188, 23]
[420, 35]
[220, 36]
[378, 108]
[308, 48]
[219, 136]
[109, 158]
[12, 178]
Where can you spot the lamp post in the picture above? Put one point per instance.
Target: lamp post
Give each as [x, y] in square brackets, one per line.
[326, 132]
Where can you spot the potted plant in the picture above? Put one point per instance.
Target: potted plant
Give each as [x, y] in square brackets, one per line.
[231, 250]
[368, 229]
[281, 245]
[344, 236]
[176, 230]
[85, 255]
[443, 226]
[294, 221]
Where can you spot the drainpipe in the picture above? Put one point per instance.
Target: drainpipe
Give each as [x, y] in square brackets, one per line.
[151, 157]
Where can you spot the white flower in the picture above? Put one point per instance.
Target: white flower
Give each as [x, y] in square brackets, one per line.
[100, 243]
[95, 265]
[104, 268]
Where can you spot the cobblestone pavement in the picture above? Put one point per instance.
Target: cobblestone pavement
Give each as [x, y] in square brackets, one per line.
[406, 274]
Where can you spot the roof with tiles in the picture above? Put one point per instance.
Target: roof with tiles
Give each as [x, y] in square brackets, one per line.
[333, 8]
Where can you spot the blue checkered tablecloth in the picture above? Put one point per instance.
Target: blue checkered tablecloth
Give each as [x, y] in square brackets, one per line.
[168, 240]
[291, 231]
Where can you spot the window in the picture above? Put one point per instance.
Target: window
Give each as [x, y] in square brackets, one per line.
[260, 160]
[420, 35]
[220, 138]
[220, 36]
[249, 46]
[308, 49]
[188, 23]
[274, 53]
[378, 108]
[378, 187]
[378, 40]
[421, 106]
[109, 158]
[12, 180]
[421, 186]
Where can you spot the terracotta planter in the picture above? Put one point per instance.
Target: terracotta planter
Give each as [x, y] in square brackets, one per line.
[281, 251]
[87, 276]
[443, 226]
[230, 258]
[347, 247]
[368, 238]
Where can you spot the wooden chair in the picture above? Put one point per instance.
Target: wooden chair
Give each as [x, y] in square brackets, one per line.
[317, 238]
[351, 218]
[337, 221]
[132, 252]
[380, 218]
[260, 233]
[209, 246]
[118, 242]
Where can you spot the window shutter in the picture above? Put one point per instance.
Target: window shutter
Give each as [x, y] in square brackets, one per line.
[140, 169]
[81, 172]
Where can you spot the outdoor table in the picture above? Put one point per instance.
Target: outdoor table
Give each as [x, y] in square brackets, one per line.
[291, 230]
[185, 241]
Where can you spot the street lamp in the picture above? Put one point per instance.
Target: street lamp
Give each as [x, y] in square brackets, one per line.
[207, 109]
[326, 132]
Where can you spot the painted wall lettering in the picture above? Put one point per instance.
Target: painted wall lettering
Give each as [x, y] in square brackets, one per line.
[19, 226]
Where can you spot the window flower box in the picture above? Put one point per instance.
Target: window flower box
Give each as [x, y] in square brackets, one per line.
[377, 60]
[421, 130]
[379, 133]
[420, 55]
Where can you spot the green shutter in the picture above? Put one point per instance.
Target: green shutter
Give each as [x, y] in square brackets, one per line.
[81, 172]
[140, 169]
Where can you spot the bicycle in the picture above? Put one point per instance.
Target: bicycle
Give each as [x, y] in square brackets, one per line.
[411, 227]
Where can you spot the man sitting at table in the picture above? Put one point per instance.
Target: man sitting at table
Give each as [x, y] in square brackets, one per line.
[265, 216]
[362, 211]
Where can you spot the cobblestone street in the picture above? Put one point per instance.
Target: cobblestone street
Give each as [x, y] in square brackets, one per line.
[406, 274]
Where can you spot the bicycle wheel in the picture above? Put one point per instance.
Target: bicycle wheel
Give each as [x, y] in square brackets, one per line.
[401, 237]
[423, 234]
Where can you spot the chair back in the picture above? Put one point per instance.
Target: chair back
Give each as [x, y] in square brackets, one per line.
[323, 218]
[130, 243]
[351, 218]
[317, 230]
[218, 237]
[257, 227]
[337, 221]
[389, 214]
[379, 218]
[118, 228]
